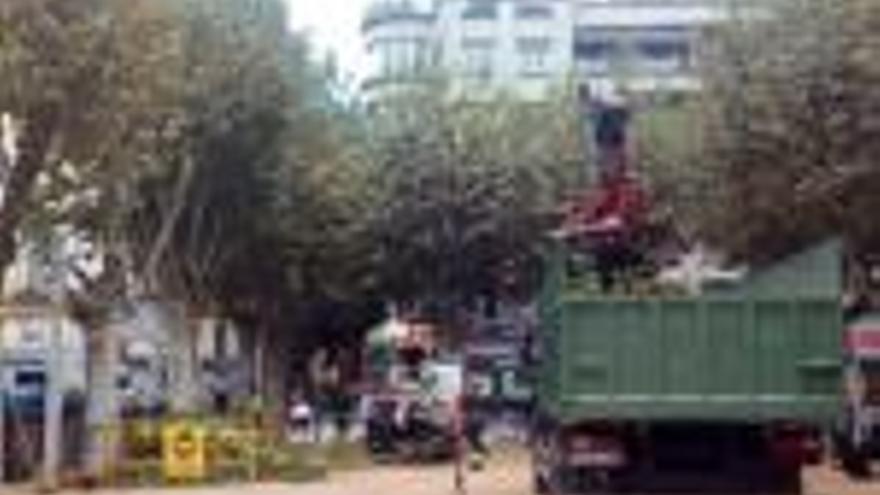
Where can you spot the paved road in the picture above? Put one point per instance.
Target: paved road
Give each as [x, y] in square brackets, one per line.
[508, 477]
[825, 481]
[503, 477]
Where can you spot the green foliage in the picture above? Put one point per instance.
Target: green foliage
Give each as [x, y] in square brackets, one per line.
[194, 142]
[790, 128]
[194, 145]
[207, 159]
[465, 192]
[82, 81]
[253, 127]
[670, 156]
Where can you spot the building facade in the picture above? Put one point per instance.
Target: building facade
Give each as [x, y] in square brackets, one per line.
[530, 47]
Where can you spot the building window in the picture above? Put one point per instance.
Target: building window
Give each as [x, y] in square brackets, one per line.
[534, 54]
[533, 11]
[660, 50]
[400, 57]
[594, 56]
[665, 54]
[593, 50]
[480, 10]
[421, 57]
[478, 57]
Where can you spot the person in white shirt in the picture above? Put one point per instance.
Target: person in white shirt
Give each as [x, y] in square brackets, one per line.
[301, 418]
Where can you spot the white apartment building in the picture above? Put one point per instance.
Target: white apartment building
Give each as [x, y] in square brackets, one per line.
[528, 47]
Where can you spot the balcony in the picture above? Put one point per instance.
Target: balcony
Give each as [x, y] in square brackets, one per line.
[391, 11]
[381, 82]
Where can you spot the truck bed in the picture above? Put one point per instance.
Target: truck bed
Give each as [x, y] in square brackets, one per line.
[744, 356]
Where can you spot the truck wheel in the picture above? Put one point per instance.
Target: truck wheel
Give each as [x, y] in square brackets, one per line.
[856, 464]
[853, 459]
[789, 482]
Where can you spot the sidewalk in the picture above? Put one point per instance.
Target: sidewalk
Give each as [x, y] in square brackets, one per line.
[260, 489]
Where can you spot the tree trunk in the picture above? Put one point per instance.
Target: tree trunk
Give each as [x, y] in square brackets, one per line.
[275, 374]
[53, 410]
[32, 147]
[102, 411]
[184, 361]
[170, 220]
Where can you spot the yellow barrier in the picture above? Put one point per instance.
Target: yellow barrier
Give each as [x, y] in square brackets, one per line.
[183, 451]
[202, 450]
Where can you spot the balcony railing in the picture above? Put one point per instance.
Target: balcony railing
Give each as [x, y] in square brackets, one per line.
[395, 11]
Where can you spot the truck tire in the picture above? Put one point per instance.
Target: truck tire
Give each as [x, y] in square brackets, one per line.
[853, 460]
[856, 464]
[788, 482]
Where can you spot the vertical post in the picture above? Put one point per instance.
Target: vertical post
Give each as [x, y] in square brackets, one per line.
[460, 467]
[583, 102]
[253, 436]
[3, 389]
[259, 363]
[53, 408]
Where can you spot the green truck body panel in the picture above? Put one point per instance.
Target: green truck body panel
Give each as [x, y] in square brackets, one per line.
[816, 273]
[753, 353]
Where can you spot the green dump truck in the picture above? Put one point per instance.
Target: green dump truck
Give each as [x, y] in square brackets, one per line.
[735, 385]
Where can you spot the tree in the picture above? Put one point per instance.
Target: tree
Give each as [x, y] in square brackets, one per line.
[465, 191]
[178, 139]
[789, 132]
[253, 207]
[81, 84]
